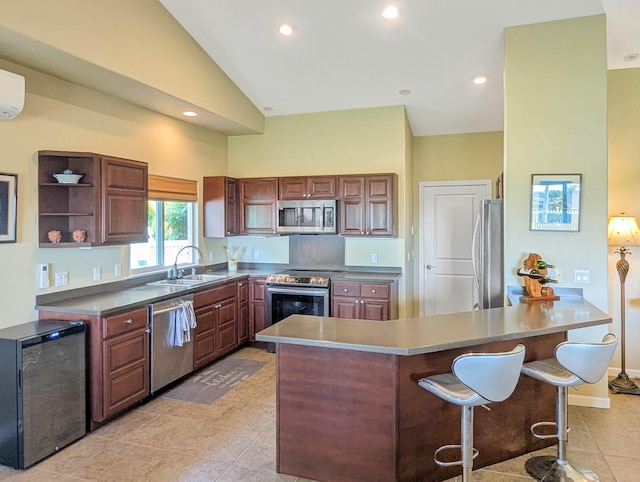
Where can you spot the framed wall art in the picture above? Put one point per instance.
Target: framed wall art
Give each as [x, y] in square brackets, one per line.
[8, 201]
[555, 202]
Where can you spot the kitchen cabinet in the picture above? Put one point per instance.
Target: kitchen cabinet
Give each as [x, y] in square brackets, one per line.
[368, 205]
[119, 365]
[220, 209]
[216, 332]
[124, 200]
[366, 301]
[257, 205]
[242, 294]
[312, 187]
[257, 306]
[107, 206]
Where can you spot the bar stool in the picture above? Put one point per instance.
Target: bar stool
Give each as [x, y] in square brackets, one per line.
[574, 364]
[477, 379]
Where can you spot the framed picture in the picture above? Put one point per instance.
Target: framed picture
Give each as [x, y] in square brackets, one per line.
[8, 200]
[555, 202]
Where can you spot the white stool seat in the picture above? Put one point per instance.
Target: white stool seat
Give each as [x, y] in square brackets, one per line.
[476, 379]
[574, 364]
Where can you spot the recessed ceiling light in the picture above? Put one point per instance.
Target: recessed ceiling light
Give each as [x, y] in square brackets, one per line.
[631, 57]
[480, 79]
[404, 92]
[287, 29]
[190, 113]
[390, 12]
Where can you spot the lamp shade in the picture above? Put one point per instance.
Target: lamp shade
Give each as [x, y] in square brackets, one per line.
[623, 231]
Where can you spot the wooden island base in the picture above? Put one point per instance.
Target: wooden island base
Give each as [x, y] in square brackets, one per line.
[345, 415]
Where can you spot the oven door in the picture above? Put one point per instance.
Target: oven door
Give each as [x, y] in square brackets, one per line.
[283, 301]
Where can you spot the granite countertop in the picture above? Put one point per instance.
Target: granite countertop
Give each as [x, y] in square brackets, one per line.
[130, 297]
[111, 302]
[414, 336]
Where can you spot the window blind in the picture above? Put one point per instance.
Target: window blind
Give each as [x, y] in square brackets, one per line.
[165, 188]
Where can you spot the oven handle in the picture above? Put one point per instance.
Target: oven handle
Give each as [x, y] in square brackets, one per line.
[292, 290]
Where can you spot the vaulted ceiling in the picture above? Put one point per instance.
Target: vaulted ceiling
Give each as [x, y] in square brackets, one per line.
[345, 55]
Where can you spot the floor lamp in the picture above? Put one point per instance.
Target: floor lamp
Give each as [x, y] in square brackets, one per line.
[623, 231]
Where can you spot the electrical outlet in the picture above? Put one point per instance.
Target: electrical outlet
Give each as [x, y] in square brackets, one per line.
[256, 254]
[117, 270]
[97, 273]
[374, 257]
[62, 278]
[559, 275]
[210, 255]
[581, 276]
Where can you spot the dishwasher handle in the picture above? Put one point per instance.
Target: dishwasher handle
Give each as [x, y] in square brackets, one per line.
[169, 305]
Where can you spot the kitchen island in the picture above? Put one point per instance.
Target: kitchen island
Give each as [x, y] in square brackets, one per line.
[348, 403]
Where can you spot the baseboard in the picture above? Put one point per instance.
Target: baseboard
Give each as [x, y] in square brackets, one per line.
[613, 372]
[589, 401]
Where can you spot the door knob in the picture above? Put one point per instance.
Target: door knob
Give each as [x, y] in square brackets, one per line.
[430, 266]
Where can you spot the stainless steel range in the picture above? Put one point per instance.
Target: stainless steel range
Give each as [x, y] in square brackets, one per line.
[297, 293]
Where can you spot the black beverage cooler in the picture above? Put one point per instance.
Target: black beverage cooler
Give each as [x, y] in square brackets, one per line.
[43, 389]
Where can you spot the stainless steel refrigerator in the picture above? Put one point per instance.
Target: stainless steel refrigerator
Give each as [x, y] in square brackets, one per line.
[488, 254]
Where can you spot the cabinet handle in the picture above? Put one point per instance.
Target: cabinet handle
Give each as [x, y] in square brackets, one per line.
[373, 291]
[240, 284]
[345, 290]
[128, 321]
[147, 330]
[217, 306]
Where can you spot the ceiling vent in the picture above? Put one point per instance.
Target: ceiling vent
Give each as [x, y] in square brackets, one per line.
[11, 94]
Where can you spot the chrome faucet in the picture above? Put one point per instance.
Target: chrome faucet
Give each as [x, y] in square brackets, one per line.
[173, 272]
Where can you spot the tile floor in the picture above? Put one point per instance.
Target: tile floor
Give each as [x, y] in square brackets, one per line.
[166, 440]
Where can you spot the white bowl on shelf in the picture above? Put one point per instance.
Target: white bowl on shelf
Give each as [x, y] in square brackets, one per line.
[68, 178]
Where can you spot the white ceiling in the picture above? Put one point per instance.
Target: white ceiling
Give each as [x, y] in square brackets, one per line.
[344, 55]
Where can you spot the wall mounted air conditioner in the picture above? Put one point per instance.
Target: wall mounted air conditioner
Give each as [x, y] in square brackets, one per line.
[11, 94]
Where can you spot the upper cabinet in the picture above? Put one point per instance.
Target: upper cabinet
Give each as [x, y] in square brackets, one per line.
[314, 187]
[106, 206]
[257, 205]
[368, 205]
[220, 210]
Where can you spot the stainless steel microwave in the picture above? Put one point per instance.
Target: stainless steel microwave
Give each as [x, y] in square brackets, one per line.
[308, 216]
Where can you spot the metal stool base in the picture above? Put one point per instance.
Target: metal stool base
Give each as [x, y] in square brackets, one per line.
[547, 469]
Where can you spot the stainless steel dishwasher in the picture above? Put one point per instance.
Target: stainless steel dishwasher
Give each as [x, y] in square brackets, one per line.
[169, 361]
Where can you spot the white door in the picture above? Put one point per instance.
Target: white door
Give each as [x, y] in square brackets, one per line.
[448, 212]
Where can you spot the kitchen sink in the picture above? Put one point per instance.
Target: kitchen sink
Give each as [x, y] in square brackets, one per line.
[206, 277]
[190, 280]
[176, 282]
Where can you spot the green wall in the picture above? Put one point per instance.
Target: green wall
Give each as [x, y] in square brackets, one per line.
[556, 122]
[624, 177]
[59, 115]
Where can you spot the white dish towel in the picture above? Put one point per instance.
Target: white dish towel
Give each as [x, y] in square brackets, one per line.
[181, 322]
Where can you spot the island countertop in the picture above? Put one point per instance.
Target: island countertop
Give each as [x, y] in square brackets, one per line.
[414, 336]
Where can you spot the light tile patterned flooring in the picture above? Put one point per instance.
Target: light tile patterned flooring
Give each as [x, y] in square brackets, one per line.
[234, 440]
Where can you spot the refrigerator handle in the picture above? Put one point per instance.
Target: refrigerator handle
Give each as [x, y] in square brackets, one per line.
[474, 259]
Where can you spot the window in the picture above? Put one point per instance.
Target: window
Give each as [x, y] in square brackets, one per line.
[170, 225]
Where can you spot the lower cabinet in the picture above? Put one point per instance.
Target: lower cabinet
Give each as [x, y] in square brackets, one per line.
[216, 332]
[126, 362]
[257, 306]
[364, 301]
[243, 311]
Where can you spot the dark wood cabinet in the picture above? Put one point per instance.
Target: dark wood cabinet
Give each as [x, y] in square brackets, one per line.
[216, 332]
[313, 187]
[126, 362]
[220, 208]
[243, 310]
[124, 200]
[119, 366]
[108, 204]
[257, 205]
[368, 205]
[365, 301]
[257, 306]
